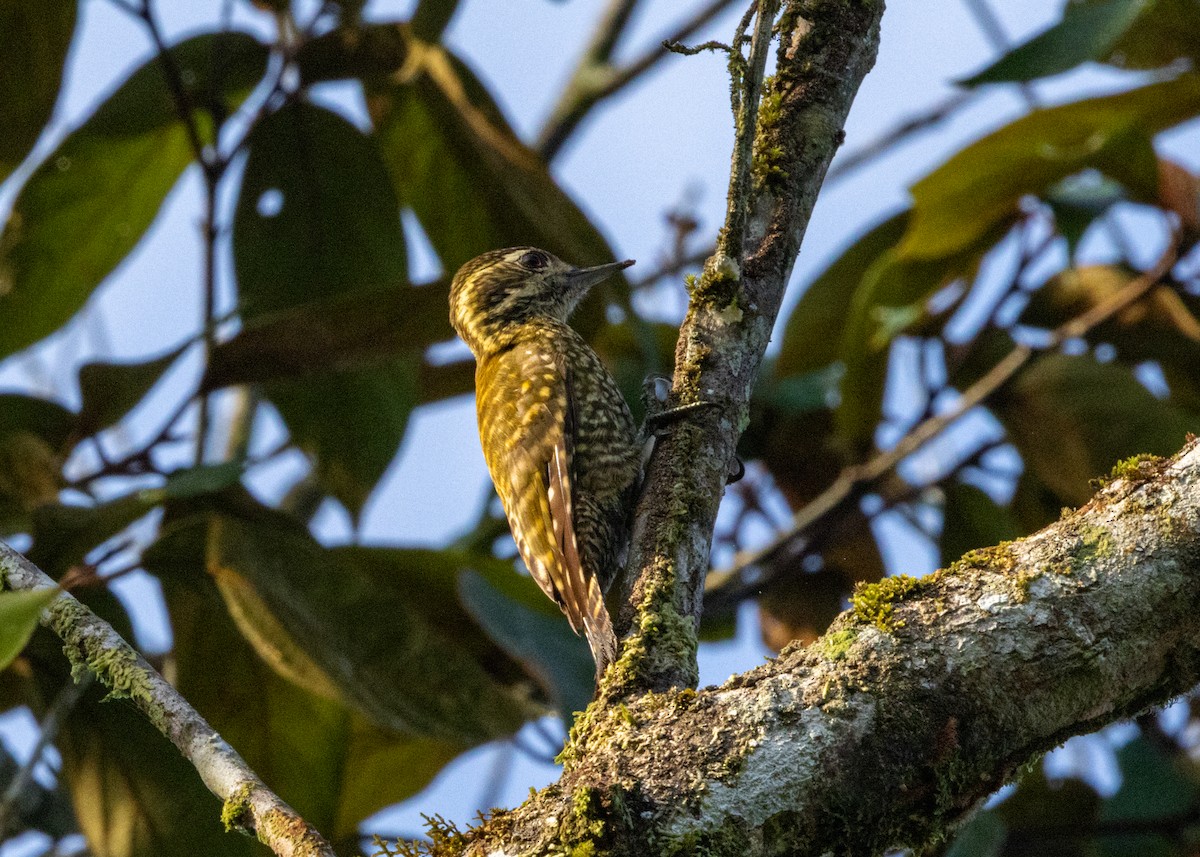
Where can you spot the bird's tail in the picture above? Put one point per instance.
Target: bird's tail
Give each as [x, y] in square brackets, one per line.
[597, 626]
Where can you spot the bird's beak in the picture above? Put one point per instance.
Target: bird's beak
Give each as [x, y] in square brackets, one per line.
[580, 279]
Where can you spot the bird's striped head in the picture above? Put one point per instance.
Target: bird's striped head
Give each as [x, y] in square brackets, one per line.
[497, 292]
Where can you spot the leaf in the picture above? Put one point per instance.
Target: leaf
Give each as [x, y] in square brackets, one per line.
[1154, 786]
[317, 220]
[373, 628]
[1072, 419]
[111, 390]
[1078, 201]
[316, 215]
[981, 187]
[36, 807]
[547, 646]
[351, 421]
[34, 439]
[19, 614]
[814, 329]
[87, 206]
[341, 332]
[971, 520]
[331, 765]
[34, 37]
[1087, 31]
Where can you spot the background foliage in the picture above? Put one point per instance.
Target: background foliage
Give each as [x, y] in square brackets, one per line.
[349, 675]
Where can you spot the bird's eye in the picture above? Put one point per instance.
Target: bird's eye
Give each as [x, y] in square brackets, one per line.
[534, 260]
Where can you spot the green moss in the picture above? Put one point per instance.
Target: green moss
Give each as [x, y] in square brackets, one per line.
[833, 646]
[996, 558]
[235, 812]
[874, 604]
[1094, 543]
[1134, 469]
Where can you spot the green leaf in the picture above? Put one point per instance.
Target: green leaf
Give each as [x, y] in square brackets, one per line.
[316, 215]
[1072, 419]
[351, 422]
[547, 646]
[379, 631]
[34, 37]
[19, 612]
[1078, 201]
[1154, 786]
[87, 206]
[35, 436]
[335, 768]
[317, 220]
[981, 187]
[814, 328]
[342, 332]
[972, 520]
[111, 390]
[1087, 31]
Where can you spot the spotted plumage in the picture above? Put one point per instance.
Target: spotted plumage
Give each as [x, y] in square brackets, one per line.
[557, 435]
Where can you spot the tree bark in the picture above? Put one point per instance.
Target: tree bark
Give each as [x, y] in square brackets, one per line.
[919, 702]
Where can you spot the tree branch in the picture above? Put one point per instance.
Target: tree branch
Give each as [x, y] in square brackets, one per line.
[918, 703]
[826, 48]
[93, 645]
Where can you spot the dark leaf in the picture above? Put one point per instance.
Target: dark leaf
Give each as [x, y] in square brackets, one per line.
[971, 520]
[85, 209]
[1087, 31]
[981, 186]
[1157, 790]
[111, 390]
[812, 337]
[34, 37]
[34, 439]
[1072, 419]
[546, 645]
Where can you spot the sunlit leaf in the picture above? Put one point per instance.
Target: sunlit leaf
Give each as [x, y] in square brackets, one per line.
[1072, 419]
[111, 390]
[34, 37]
[19, 612]
[982, 186]
[88, 205]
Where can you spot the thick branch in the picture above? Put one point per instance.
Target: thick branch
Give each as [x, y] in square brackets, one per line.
[92, 644]
[915, 705]
[826, 48]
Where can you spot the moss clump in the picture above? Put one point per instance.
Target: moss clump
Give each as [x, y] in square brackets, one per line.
[235, 812]
[1094, 543]
[1136, 468]
[833, 646]
[874, 604]
[582, 831]
[444, 839]
[998, 558]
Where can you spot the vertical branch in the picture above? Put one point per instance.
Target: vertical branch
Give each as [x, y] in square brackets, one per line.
[782, 152]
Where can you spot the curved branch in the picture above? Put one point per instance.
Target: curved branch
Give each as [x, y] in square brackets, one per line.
[92, 644]
[917, 704]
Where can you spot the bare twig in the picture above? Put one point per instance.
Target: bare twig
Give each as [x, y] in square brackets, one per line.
[62, 706]
[597, 81]
[739, 579]
[92, 644]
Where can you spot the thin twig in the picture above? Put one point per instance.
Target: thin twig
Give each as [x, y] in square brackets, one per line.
[732, 583]
[64, 702]
[590, 86]
[92, 643]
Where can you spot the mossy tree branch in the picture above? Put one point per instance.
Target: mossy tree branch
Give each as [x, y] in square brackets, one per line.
[917, 704]
[785, 141]
[93, 646]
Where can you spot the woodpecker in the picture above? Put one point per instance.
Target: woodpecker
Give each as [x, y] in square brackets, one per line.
[557, 434]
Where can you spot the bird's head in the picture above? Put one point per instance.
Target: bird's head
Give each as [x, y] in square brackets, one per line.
[494, 294]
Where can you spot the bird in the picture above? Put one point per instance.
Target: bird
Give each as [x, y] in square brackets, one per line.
[557, 434]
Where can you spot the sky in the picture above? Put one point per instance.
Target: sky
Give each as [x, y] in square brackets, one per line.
[658, 144]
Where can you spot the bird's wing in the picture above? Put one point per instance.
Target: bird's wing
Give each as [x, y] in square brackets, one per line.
[544, 459]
